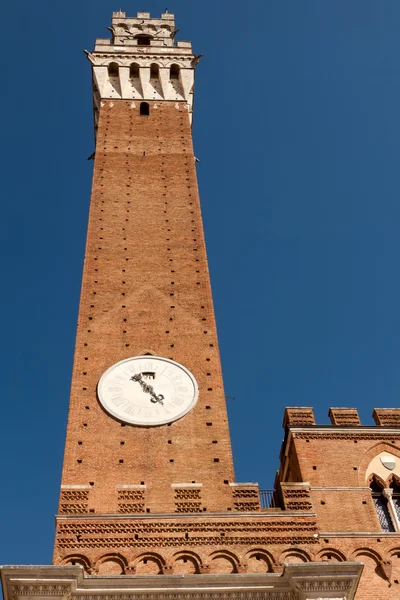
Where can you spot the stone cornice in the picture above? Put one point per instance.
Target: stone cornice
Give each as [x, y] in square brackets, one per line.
[359, 430]
[210, 518]
[359, 534]
[322, 488]
[297, 582]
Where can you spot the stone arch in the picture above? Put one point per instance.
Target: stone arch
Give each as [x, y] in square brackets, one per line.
[372, 452]
[111, 564]
[78, 559]
[186, 563]
[374, 477]
[259, 561]
[294, 555]
[149, 563]
[223, 562]
[330, 554]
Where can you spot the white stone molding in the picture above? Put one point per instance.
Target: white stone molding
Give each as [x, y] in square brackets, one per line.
[388, 494]
[123, 50]
[303, 581]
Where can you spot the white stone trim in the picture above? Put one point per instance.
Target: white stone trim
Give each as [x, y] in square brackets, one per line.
[77, 487]
[251, 484]
[123, 486]
[340, 488]
[186, 485]
[297, 582]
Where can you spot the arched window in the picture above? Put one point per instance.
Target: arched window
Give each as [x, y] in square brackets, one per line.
[154, 71]
[395, 486]
[381, 506]
[134, 71]
[174, 72]
[143, 40]
[113, 70]
[144, 109]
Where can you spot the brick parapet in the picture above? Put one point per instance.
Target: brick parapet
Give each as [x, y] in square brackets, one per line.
[344, 417]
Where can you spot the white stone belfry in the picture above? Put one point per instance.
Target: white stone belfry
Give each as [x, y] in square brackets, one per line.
[142, 62]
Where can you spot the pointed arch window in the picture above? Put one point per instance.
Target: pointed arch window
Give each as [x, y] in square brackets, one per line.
[395, 486]
[381, 506]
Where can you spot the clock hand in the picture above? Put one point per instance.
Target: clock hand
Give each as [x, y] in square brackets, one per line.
[148, 389]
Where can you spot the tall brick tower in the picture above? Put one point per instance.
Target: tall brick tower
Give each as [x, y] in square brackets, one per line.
[145, 291]
[149, 507]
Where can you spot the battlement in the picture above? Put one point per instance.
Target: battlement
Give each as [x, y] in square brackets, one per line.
[303, 416]
[142, 30]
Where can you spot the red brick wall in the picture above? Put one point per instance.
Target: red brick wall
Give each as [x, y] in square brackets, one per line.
[145, 289]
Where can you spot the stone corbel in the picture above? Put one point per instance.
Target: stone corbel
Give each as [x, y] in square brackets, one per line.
[186, 81]
[124, 83]
[164, 81]
[100, 77]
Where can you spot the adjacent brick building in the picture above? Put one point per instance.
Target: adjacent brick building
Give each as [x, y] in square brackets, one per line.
[155, 511]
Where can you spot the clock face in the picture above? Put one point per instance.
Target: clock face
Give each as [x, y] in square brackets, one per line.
[147, 390]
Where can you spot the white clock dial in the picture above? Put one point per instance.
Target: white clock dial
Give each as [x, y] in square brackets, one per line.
[147, 390]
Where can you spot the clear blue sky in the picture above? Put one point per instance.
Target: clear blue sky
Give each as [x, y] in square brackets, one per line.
[298, 132]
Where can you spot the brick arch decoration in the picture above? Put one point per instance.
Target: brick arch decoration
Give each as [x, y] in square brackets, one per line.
[330, 554]
[367, 552]
[193, 558]
[78, 559]
[379, 571]
[302, 555]
[111, 564]
[226, 559]
[260, 555]
[370, 454]
[153, 557]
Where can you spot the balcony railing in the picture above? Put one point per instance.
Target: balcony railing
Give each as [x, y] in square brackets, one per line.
[268, 499]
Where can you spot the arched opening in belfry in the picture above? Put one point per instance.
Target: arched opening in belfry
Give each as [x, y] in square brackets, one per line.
[154, 71]
[113, 69]
[134, 71]
[174, 72]
[143, 40]
[145, 109]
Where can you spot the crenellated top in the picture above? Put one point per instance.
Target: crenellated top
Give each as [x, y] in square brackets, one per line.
[142, 30]
[303, 416]
[142, 61]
